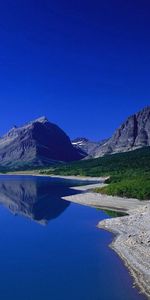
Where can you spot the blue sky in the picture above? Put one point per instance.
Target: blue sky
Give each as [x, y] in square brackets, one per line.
[83, 64]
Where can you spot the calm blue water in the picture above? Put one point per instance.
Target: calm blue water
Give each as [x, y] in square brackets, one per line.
[51, 249]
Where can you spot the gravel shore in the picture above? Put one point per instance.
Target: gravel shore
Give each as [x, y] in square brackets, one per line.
[90, 198]
[132, 243]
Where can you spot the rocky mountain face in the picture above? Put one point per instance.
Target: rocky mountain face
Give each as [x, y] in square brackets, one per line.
[134, 133]
[37, 143]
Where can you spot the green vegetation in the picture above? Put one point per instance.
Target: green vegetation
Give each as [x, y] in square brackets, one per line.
[114, 214]
[129, 172]
[128, 187]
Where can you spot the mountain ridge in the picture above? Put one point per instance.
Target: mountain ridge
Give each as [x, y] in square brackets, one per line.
[40, 143]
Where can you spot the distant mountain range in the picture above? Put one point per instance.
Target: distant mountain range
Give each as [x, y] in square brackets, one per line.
[134, 133]
[41, 143]
[87, 147]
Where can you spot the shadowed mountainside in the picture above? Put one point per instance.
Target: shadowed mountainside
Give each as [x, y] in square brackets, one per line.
[37, 143]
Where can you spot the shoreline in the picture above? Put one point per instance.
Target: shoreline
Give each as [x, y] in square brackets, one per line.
[132, 244]
[90, 198]
[131, 239]
[72, 177]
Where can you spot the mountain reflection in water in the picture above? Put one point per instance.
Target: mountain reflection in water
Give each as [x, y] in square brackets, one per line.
[32, 197]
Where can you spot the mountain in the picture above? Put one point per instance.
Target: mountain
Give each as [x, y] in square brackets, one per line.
[87, 147]
[37, 143]
[134, 133]
[41, 143]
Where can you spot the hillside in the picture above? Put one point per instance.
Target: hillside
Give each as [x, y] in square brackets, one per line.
[129, 172]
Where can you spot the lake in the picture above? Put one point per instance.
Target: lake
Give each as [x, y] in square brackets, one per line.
[52, 249]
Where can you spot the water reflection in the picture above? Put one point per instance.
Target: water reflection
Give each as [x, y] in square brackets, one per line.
[37, 199]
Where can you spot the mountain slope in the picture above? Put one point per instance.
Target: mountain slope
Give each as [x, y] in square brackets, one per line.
[37, 143]
[134, 133]
[116, 164]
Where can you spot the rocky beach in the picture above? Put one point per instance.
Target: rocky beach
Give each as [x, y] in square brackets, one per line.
[132, 243]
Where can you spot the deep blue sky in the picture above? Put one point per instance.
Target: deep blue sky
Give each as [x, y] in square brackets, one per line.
[84, 64]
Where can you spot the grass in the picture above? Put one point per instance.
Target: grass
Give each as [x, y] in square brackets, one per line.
[129, 172]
